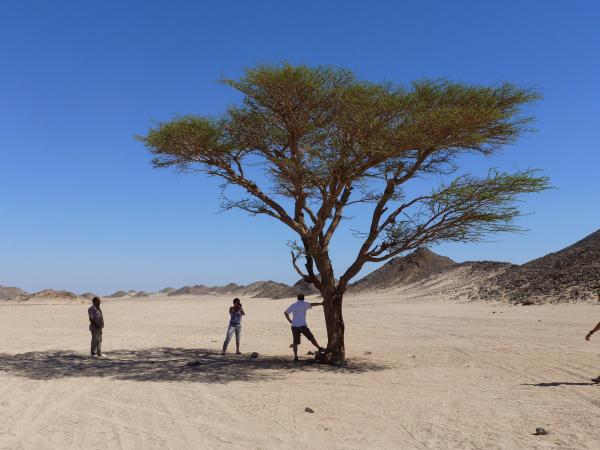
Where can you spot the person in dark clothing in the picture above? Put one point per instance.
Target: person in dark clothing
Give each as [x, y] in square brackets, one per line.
[96, 325]
[235, 326]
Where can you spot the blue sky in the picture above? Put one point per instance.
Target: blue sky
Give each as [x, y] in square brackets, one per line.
[81, 208]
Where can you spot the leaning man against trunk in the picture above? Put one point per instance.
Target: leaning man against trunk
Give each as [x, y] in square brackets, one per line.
[96, 326]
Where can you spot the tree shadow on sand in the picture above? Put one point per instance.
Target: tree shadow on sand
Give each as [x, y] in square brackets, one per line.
[167, 364]
[560, 383]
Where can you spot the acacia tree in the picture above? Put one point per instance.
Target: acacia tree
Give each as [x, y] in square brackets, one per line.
[327, 140]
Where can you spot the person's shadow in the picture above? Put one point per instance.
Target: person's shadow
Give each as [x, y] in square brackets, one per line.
[166, 364]
[560, 383]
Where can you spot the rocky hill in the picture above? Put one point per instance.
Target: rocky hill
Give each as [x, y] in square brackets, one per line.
[7, 292]
[570, 274]
[140, 294]
[166, 290]
[198, 289]
[117, 294]
[51, 296]
[401, 270]
[265, 289]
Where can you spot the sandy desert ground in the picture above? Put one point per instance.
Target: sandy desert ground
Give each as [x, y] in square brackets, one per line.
[439, 375]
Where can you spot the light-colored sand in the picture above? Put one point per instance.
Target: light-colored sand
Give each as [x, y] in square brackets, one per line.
[441, 375]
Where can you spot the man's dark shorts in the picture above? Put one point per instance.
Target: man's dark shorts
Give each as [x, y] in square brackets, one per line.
[297, 331]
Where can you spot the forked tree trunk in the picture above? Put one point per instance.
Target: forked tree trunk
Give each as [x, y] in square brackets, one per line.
[336, 351]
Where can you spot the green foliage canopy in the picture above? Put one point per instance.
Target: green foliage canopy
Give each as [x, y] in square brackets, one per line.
[326, 140]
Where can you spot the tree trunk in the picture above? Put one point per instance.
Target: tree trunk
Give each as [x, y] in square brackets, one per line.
[336, 351]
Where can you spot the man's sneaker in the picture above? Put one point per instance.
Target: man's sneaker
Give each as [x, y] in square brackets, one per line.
[222, 353]
[238, 353]
[296, 359]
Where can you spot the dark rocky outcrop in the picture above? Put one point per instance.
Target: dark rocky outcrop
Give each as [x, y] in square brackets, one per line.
[570, 274]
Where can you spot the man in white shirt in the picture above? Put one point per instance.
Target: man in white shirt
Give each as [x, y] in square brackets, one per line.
[298, 321]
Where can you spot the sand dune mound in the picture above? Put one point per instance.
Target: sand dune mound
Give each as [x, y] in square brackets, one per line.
[50, 295]
[399, 271]
[457, 282]
[299, 287]
[264, 289]
[278, 291]
[570, 274]
[7, 292]
[166, 290]
[117, 294]
[140, 294]
[230, 288]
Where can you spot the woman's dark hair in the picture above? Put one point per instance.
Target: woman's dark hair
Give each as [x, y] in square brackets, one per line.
[95, 299]
[236, 300]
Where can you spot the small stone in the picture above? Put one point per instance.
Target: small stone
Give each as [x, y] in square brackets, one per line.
[309, 410]
[193, 363]
[254, 355]
[413, 356]
[539, 431]
[367, 353]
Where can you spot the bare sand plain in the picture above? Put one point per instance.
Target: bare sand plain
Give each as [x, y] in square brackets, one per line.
[440, 374]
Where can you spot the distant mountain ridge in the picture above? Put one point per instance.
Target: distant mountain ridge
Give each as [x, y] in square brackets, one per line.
[570, 274]
[258, 289]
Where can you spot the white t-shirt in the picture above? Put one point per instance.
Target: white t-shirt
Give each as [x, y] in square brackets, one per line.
[298, 312]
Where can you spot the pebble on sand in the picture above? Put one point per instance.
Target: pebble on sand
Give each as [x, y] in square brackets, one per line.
[309, 410]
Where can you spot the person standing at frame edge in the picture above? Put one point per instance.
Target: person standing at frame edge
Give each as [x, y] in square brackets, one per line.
[589, 335]
[96, 325]
[235, 326]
